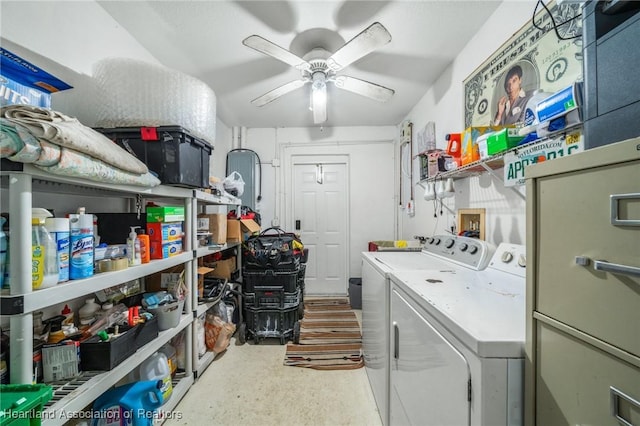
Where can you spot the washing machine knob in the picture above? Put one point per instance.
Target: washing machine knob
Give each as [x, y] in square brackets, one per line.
[522, 261]
[436, 241]
[473, 249]
[507, 257]
[449, 243]
[464, 247]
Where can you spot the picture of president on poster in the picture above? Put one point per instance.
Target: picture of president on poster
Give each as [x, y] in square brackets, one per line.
[534, 60]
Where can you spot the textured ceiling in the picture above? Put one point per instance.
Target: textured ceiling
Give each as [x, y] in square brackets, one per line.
[204, 39]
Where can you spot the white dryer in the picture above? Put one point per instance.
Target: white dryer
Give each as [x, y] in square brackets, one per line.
[440, 253]
[457, 344]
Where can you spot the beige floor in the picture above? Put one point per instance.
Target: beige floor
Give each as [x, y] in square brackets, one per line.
[249, 385]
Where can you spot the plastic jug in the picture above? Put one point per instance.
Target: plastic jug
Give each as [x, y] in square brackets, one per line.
[131, 404]
[454, 144]
[156, 367]
[44, 252]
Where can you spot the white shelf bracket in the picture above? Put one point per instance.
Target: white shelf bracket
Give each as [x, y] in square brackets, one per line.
[498, 177]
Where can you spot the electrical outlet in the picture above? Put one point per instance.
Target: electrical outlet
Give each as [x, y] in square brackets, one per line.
[275, 222]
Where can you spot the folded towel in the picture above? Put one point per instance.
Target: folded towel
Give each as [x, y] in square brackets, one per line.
[68, 132]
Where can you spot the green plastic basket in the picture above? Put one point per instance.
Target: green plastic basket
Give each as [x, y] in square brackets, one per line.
[22, 404]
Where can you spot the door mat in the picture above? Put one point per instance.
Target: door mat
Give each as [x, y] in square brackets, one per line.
[330, 337]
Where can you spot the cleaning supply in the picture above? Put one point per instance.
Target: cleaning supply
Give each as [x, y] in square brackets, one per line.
[44, 252]
[156, 367]
[81, 265]
[68, 315]
[58, 227]
[87, 313]
[172, 358]
[145, 249]
[133, 247]
[131, 404]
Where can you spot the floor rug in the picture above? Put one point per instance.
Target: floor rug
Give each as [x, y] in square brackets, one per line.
[330, 337]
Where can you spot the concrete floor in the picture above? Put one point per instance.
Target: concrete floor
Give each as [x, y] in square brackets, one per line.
[249, 385]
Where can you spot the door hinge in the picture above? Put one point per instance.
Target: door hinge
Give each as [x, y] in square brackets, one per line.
[469, 390]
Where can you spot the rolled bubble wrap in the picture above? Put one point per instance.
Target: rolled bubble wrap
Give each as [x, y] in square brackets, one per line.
[136, 93]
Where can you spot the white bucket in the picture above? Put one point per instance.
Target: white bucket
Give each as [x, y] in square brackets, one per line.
[168, 315]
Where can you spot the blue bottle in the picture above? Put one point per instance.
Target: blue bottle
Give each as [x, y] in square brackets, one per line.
[132, 404]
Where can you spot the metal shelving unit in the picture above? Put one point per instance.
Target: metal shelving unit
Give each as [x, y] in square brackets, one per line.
[20, 301]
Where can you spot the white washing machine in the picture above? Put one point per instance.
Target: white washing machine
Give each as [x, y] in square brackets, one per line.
[457, 344]
[442, 252]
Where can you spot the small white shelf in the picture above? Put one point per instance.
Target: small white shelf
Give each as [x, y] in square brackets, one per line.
[216, 199]
[204, 307]
[75, 401]
[203, 251]
[63, 292]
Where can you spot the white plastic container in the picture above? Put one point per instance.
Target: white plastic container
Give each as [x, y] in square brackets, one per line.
[81, 265]
[156, 367]
[87, 313]
[44, 257]
[58, 227]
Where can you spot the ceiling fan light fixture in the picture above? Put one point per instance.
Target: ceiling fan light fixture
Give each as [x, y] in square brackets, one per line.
[319, 97]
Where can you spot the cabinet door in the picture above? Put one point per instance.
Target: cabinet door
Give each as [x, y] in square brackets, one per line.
[429, 377]
[574, 380]
[574, 219]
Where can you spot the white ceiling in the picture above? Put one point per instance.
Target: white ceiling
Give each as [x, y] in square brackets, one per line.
[204, 39]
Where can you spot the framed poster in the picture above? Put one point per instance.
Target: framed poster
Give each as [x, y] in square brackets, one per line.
[538, 59]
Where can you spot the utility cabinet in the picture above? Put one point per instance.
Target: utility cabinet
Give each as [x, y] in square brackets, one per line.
[583, 282]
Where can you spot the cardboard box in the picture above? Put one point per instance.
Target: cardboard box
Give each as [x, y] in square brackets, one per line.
[22, 83]
[161, 280]
[216, 224]
[202, 272]
[60, 361]
[165, 214]
[470, 150]
[224, 268]
[240, 230]
[503, 140]
[160, 250]
[164, 232]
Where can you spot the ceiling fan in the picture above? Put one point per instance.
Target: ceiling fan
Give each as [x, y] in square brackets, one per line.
[319, 67]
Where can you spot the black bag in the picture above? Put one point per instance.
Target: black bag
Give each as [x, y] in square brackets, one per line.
[271, 250]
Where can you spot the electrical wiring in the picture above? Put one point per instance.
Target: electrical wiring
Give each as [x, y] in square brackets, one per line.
[555, 24]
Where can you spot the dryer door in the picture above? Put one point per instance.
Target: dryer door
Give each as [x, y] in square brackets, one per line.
[429, 377]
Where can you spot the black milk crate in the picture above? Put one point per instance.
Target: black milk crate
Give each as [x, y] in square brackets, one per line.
[172, 152]
[265, 322]
[274, 297]
[257, 280]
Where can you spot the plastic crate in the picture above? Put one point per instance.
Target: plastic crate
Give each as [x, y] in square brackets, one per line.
[257, 280]
[272, 298]
[264, 322]
[178, 157]
[22, 404]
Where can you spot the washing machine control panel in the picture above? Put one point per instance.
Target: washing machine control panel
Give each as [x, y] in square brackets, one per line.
[468, 251]
[510, 258]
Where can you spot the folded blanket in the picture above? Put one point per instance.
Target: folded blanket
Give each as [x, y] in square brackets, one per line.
[18, 144]
[68, 132]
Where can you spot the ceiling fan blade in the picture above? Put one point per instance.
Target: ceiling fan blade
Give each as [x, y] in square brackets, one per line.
[271, 49]
[375, 36]
[364, 88]
[277, 92]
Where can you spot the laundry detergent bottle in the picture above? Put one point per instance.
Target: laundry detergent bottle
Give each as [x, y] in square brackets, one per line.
[44, 252]
[132, 404]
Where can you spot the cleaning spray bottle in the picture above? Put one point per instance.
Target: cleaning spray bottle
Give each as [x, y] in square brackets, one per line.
[81, 265]
[133, 247]
[44, 252]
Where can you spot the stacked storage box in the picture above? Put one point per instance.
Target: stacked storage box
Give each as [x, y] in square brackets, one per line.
[165, 229]
[273, 284]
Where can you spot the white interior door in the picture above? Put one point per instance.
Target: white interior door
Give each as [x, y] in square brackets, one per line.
[320, 215]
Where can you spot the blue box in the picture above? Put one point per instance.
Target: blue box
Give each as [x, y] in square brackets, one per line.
[560, 103]
[23, 83]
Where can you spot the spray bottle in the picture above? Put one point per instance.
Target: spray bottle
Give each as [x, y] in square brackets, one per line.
[133, 247]
[81, 265]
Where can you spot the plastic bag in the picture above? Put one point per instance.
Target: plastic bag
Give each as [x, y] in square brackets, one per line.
[234, 184]
[217, 333]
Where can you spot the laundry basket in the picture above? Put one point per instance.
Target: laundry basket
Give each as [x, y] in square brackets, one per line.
[168, 315]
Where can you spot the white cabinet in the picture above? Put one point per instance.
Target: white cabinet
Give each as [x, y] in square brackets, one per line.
[20, 302]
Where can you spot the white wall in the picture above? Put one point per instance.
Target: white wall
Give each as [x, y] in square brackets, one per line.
[443, 104]
[372, 171]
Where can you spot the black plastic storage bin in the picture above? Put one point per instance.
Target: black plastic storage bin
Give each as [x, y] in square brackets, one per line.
[355, 293]
[274, 297]
[174, 154]
[265, 322]
[257, 280]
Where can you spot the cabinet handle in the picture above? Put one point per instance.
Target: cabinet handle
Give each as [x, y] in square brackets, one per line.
[603, 265]
[616, 396]
[396, 340]
[614, 201]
